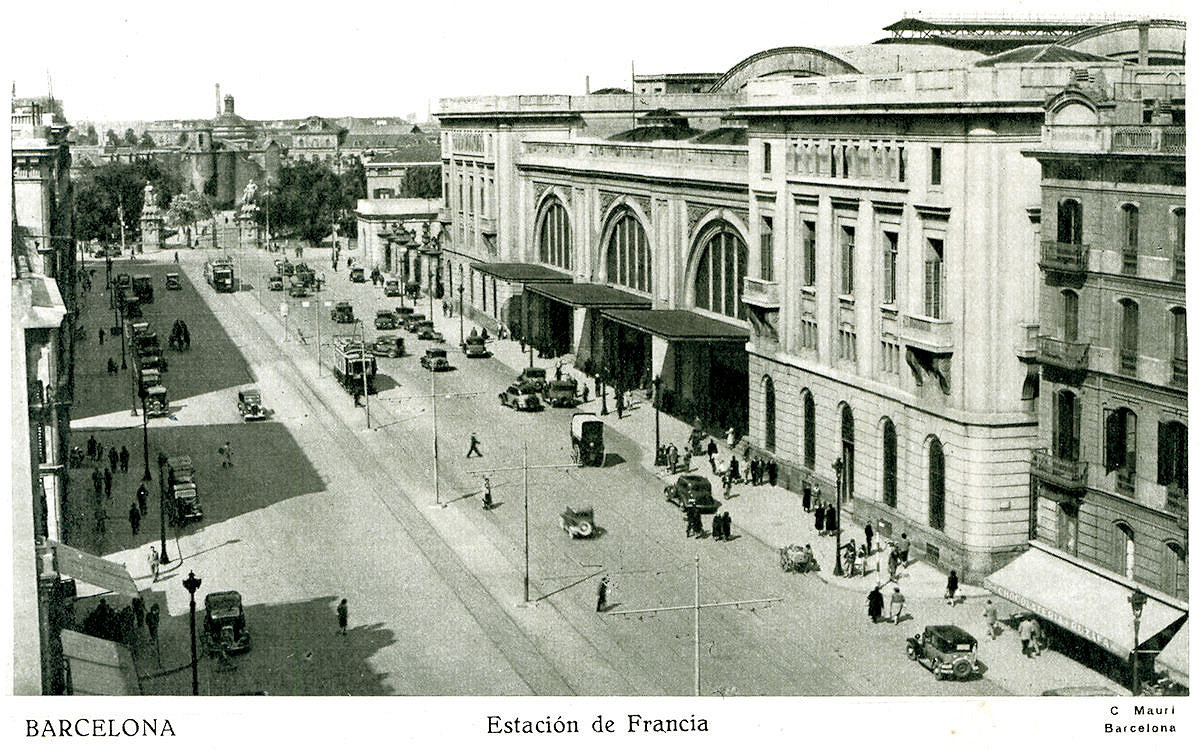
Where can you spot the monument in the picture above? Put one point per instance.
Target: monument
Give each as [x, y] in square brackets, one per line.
[247, 217]
[151, 220]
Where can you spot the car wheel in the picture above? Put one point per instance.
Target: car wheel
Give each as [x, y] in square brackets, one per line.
[962, 669]
[936, 667]
[911, 651]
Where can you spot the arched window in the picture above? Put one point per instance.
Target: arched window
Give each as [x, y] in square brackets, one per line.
[847, 451]
[627, 259]
[1070, 222]
[1066, 425]
[1120, 447]
[1129, 238]
[554, 236]
[1123, 548]
[769, 413]
[889, 463]
[1174, 570]
[1070, 316]
[719, 273]
[810, 431]
[1172, 455]
[1128, 344]
[937, 485]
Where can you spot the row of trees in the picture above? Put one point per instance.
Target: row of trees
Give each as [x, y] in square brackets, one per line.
[112, 193]
[89, 137]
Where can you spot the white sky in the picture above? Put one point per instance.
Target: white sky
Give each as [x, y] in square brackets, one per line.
[139, 59]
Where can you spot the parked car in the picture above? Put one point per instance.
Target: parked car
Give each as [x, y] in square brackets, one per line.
[391, 288]
[692, 491]
[426, 332]
[298, 289]
[403, 313]
[225, 623]
[413, 322]
[275, 283]
[342, 312]
[385, 320]
[358, 275]
[172, 282]
[561, 392]
[435, 359]
[250, 404]
[521, 397]
[534, 375]
[475, 347]
[945, 650]
[284, 267]
[388, 345]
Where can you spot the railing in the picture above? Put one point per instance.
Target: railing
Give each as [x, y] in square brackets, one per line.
[1064, 256]
[1069, 355]
[679, 102]
[1150, 139]
[1129, 261]
[930, 334]
[1128, 361]
[760, 292]
[1067, 473]
[1177, 500]
[1179, 371]
[695, 155]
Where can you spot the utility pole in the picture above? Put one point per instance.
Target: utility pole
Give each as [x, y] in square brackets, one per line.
[433, 397]
[696, 606]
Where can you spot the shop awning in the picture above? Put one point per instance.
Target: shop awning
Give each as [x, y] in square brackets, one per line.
[105, 575]
[1174, 658]
[521, 272]
[590, 296]
[679, 325]
[98, 667]
[1081, 600]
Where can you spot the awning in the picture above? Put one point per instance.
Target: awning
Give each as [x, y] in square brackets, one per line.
[1174, 658]
[98, 667]
[1081, 600]
[521, 272]
[679, 325]
[590, 295]
[105, 575]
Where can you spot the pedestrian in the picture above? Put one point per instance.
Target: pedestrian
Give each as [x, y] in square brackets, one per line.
[97, 482]
[893, 562]
[226, 452]
[101, 336]
[602, 594]
[107, 483]
[673, 457]
[474, 449]
[154, 561]
[752, 471]
[831, 519]
[558, 370]
[717, 530]
[91, 447]
[139, 610]
[114, 458]
[152, 621]
[851, 557]
[735, 473]
[1025, 632]
[487, 493]
[135, 518]
[1035, 637]
[992, 618]
[726, 527]
[187, 338]
[730, 438]
[586, 394]
[123, 457]
[772, 472]
[819, 520]
[691, 523]
[902, 549]
[176, 256]
[343, 616]
[869, 533]
[897, 605]
[620, 398]
[875, 604]
[100, 520]
[952, 588]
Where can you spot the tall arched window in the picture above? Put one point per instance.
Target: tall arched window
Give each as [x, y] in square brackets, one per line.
[1174, 570]
[1172, 455]
[889, 463]
[1123, 549]
[1120, 447]
[1128, 344]
[554, 236]
[627, 258]
[847, 451]
[769, 413]
[1070, 222]
[937, 485]
[719, 273]
[810, 431]
[1070, 315]
[1066, 425]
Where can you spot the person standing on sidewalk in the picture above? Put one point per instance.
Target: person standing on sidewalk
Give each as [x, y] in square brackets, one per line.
[819, 520]
[152, 622]
[226, 452]
[343, 616]
[101, 336]
[487, 494]
[902, 550]
[869, 533]
[712, 455]
[91, 447]
[952, 588]
[135, 518]
[620, 399]
[602, 594]
[154, 561]
[991, 617]
[875, 604]
[730, 438]
[114, 458]
[1025, 632]
[142, 495]
[474, 449]
[108, 483]
[897, 605]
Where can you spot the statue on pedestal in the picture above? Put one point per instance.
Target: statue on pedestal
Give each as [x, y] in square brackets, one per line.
[150, 199]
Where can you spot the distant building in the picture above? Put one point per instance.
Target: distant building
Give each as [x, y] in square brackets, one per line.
[385, 172]
[674, 83]
[317, 140]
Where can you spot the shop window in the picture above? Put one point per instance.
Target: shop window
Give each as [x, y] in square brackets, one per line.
[889, 463]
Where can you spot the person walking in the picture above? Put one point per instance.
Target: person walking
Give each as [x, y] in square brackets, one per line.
[712, 454]
[893, 563]
[343, 616]
[602, 594]
[875, 604]
[114, 458]
[992, 618]
[902, 550]
[726, 527]
[819, 520]
[1025, 633]
[135, 518]
[620, 399]
[897, 603]
[91, 447]
[850, 557]
[487, 493]
[586, 394]
[152, 622]
[1035, 637]
[717, 530]
[558, 371]
[97, 482]
[869, 533]
[772, 472]
[831, 519]
[474, 449]
[952, 588]
[154, 562]
[101, 519]
[226, 452]
[142, 495]
[735, 471]
[123, 457]
[139, 611]
[107, 483]
[673, 458]
[101, 336]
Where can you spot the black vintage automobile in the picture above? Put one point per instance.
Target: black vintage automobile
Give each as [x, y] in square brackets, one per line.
[342, 312]
[587, 439]
[225, 627]
[945, 650]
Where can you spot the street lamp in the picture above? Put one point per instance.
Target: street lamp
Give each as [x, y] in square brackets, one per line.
[192, 583]
[145, 437]
[657, 407]
[1137, 600]
[162, 508]
[837, 521]
[460, 314]
[121, 325]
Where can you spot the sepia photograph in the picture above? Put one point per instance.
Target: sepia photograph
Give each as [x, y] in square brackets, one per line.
[665, 352]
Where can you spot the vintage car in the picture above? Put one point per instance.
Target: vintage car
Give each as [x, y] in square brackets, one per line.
[225, 623]
[275, 283]
[403, 313]
[124, 282]
[579, 523]
[250, 404]
[475, 347]
[157, 404]
[284, 267]
[945, 650]
[388, 345]
[534, 375]
[342, 312]
[172, 282]
[139, 329]
[561, 392]
[413, 322]
[587, 439]
[143, 287]
[298, 289]
[391, 288]
[385, 320]
[692, 491]
[413, 290]
[521, 396]
[426, 332]
[150, 377]
[131, 305]
[435, 359]
[106, 251]
[358, 275]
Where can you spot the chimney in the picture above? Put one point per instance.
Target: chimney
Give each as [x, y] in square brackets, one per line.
[218, 100]
[229, 104]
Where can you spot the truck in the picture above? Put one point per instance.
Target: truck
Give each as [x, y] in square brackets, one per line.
[219, 274]
[181, 489]
[143, 287]
[350, 361]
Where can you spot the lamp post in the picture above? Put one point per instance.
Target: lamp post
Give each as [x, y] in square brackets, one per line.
[1137, 600]
[657, 407]
[121, 325]
[461, 339]
[162, 508]
[603, 395]
[192, 584]
[837, 521]
[145, 438]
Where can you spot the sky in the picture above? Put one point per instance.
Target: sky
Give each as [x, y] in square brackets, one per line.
[138, 60]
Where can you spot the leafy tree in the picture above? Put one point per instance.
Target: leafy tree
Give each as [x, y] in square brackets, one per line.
[186, 210]
[112, 191]
[354, 188]
[111, 138]
[422, 182]
[90, 136]
[130, 138]
[306, 199]
[146, 141]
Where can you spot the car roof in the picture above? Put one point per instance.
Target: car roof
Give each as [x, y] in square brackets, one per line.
[249, 392]
[951, 633]
[435, 352]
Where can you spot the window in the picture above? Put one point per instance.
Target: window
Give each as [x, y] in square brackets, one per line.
[628, 255]
[848, 344]
[810, 431]
[935, 166]
[808, 244]
[847, 451]
[1120, 447]
[1179, 245]
[891, 246]
[1172, 455]
[1065, 427]
[933, 278]
[471, 195]
[1070, 316]
[1129, 237]
[890, 354]
[719, 274]
[1068, 528]
[554, 236]
[1179, 346]
[1174, 570]
[937, 485]
[808, 333]
[766, 158]
[766, 249]
[1123, 549]
[1070, 222]
[847, 260]
[1128, 344]
[889, 463]
[769, 413]
[900, 163]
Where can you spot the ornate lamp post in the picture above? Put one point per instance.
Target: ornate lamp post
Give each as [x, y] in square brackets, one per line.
[837, 521]
[192, 584]
[145, 437]
[1137, 601]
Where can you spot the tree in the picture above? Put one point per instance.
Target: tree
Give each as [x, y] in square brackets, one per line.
[422, 182]
[146, 141]
[112, 191]
[186, 210]
[306, 199]
[130, 138]
[90, 136]
[354, 188]
[111, 138]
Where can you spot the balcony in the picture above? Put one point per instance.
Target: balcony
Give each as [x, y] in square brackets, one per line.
[1064, 257]
[1067, 474]
[760, 293]
[1067, 355]
[929, 334]
[487, 225]
[1027, 342]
